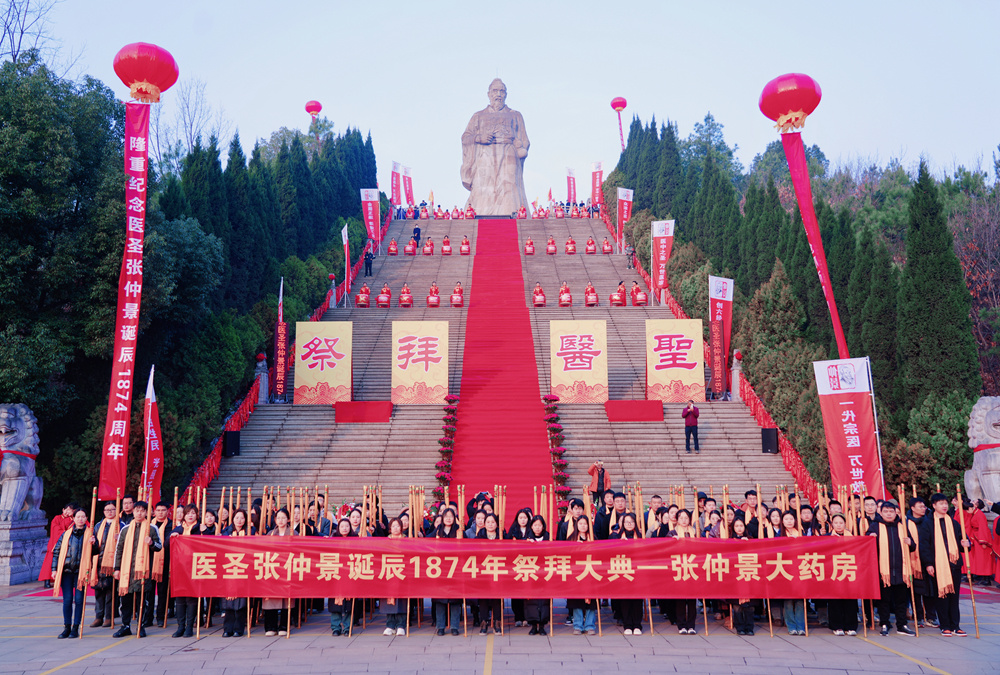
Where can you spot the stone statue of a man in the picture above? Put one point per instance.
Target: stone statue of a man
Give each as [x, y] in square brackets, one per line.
[494, 146]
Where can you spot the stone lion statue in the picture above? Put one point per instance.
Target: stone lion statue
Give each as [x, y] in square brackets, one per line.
[982, 481]
[20, 489]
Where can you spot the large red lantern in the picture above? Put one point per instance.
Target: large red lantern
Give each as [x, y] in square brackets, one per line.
[314, 108]
[618, 104]
[789, 99]
[147, 70]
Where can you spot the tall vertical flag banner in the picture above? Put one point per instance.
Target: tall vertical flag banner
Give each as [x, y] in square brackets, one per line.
[419, 362]
[408, 186]
[396, 198]
[720, 308]
[323, 362]
[280, 347]
[570, 186]
[661, 244]
[152, 465]
[848, 406]
[114, 453]
[624, 213]
[347, 263]
[596, 181]
[370, 211]
[675, 360]
[578, 352]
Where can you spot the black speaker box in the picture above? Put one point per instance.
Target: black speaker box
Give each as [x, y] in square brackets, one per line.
[231, 444]
[769, 441]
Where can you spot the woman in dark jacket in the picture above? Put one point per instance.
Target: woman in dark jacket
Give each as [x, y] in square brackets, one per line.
[537, 611]
[186, 608]
[234, 610]
[446, 609]
[66, 557]
[519, 530]
[584, 612]
[490, 609]
[631, 608]
[342, 609]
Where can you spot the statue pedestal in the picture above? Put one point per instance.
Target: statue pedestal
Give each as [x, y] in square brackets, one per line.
[22, 548]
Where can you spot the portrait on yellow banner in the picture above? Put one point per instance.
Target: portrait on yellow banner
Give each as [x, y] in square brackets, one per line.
[675, 360]
[323, 362]
[419, 362]
[578, 361]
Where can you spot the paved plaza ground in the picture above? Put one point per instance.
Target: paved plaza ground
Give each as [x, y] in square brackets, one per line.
[29, 624]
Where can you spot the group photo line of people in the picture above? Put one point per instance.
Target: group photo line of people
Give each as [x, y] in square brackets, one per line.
[925, 548]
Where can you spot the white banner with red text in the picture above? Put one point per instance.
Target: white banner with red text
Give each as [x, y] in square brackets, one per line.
[370, 211]
[845, 399]
[624, 213]
[396, 198]
[596, 181]
[408, 186]
[570, 186]
[720, 309]
[661, 243]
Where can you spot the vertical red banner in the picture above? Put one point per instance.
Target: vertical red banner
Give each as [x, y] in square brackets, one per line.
[408, 186]
[114, 453]
[370, 211]
[662, 243]
[152, 466]
[596, 181]
[718, 351]
[845, 399]
[570, 186]
[396, 198]
[720, 308]
[280, 359]
[624, 213]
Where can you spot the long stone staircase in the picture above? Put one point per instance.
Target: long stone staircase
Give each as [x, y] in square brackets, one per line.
[304, 446]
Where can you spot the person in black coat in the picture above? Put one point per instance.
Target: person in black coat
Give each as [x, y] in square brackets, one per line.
[186, 608]
[416, 234]
[369, 259]
[537, 611]
[926, 613]
[447, 609]
[67, 575]
[490, 609]
[944, 580]
[892, 579]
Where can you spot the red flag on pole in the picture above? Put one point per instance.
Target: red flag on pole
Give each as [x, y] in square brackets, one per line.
[152, 467]
[396, 197]
[114, 453]
[347, 262]
[720, 308]
[596, 180]
[408, 186]
[570, 186]
[624, 213]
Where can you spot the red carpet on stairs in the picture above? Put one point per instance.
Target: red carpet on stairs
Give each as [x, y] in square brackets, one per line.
[501, 437]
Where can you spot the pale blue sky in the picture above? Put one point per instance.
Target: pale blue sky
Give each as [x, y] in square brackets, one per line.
[899, 79]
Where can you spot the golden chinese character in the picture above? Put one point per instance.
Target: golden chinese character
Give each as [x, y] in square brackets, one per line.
[265, 566]
[621, 566]
[234, 567]
[588, 568]
[494, 566]
[717, 565]
[844, 568]
[204, 566]
[297, 564]
[748, 567]
[557, 565]
[779, 565]
[361, 566]
[526, 568]
[811, 567]
[329, 567]
[392, 567]
[684, 567]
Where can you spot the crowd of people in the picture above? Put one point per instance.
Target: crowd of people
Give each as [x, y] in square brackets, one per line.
[425, 211]
[919, 558]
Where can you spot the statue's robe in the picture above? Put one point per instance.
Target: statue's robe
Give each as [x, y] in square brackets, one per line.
[494, 173]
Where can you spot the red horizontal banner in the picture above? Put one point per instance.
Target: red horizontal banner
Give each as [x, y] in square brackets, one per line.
[312, 567]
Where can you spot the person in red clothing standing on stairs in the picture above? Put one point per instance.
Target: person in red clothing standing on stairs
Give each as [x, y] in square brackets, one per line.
[690, 415]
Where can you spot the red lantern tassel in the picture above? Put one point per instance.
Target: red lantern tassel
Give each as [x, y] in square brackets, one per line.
[796, 155]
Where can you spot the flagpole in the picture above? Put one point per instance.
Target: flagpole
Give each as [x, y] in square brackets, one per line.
[146, 409]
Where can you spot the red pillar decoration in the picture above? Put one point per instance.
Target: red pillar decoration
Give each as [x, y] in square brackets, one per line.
[788, 100]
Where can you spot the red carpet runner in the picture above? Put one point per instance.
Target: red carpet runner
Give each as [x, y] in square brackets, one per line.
[501, 437]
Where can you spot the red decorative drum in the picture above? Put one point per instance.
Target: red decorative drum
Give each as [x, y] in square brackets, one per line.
[565, 300]
[570, 248]
[538, 299]
[409, 250]
[433, 300]
[465, 249]
[550, 249]
[405, 300]
[446, 249]
[361, 300]
[617, 299]
[591, 249]
[382, 300]
[590, 300]
[529, 249]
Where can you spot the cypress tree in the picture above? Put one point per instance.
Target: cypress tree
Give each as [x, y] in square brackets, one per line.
[647, 168]
[768, 229]
[746, 270]
[172, 201]
[249, 247]
[858, 288]
[878, 320]
[264, 202]
[937, 352]
[684, 201]
[670, 176]
[312, 226]
[291, 217]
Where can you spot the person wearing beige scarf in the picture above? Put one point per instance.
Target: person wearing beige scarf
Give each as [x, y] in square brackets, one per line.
[133, 559]
[939, 555]
[68, 564]
[103, 569]
[894, 546]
